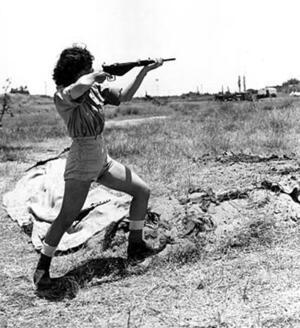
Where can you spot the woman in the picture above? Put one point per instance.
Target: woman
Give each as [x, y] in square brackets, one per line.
[79, 100]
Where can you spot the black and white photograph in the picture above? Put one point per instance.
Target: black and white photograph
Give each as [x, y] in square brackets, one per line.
[150, 164]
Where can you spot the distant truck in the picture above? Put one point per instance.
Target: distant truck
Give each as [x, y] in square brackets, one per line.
[266, 92]
[295, 94]
[236, 96]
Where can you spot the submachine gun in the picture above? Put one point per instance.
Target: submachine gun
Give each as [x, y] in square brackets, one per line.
[119, 69]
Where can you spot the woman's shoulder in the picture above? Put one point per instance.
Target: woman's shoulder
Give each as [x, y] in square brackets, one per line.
[62, 96]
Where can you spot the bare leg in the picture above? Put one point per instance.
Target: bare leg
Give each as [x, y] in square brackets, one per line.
[121, 178]
[74, 197]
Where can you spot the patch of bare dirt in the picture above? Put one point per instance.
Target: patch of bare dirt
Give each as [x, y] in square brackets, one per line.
[236, 229]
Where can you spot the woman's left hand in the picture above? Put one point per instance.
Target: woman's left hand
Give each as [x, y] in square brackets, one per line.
[158, 62]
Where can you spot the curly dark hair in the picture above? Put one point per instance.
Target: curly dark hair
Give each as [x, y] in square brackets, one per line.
[71, 61]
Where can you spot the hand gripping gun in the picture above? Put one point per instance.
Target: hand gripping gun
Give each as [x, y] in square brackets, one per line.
[119, 69]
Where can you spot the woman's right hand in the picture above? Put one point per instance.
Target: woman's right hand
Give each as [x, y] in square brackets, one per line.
[85, 82]
[100, 76]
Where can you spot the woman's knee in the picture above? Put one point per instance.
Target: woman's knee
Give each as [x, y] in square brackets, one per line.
[141, 191]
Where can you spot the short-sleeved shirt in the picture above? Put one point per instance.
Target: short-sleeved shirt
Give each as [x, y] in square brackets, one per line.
[84, 116]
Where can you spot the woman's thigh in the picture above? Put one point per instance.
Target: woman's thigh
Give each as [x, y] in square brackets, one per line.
[121, 178]
[74, 197]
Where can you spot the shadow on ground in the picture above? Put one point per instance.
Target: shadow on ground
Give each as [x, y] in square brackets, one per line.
[104, 270]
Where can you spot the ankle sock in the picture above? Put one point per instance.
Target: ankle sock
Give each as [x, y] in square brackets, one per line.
[47, 253]
[136, 231]
[44, 262]
[48, 250]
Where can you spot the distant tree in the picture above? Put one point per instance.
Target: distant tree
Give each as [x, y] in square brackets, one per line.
[5, 100]
[239, 83]
[21, 89]
[290, 82]
[290, 85]
[244, 83]
[253, 91]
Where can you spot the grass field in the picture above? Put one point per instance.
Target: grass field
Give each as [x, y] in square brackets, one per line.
[243, 273]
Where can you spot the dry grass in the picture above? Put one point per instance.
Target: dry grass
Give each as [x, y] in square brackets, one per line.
[244, 274]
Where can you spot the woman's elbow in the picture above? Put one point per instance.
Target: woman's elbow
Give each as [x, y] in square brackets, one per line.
[125, 97]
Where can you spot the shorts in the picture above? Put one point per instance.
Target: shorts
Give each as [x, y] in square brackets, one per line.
[87, 159]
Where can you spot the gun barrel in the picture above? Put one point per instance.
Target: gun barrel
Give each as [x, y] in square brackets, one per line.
[151, 61]
[169, 59]
[120, 69]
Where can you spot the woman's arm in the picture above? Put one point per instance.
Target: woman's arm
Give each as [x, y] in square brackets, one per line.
[85, 82]
[130, 90]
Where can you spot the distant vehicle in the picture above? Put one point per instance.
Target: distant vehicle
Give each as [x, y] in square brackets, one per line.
[295, 94]
[266, 92]
[237, 96]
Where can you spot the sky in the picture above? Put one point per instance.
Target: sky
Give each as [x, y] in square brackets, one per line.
[214, 41]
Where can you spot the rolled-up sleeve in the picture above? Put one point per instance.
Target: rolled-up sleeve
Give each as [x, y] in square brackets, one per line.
[64, 96]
